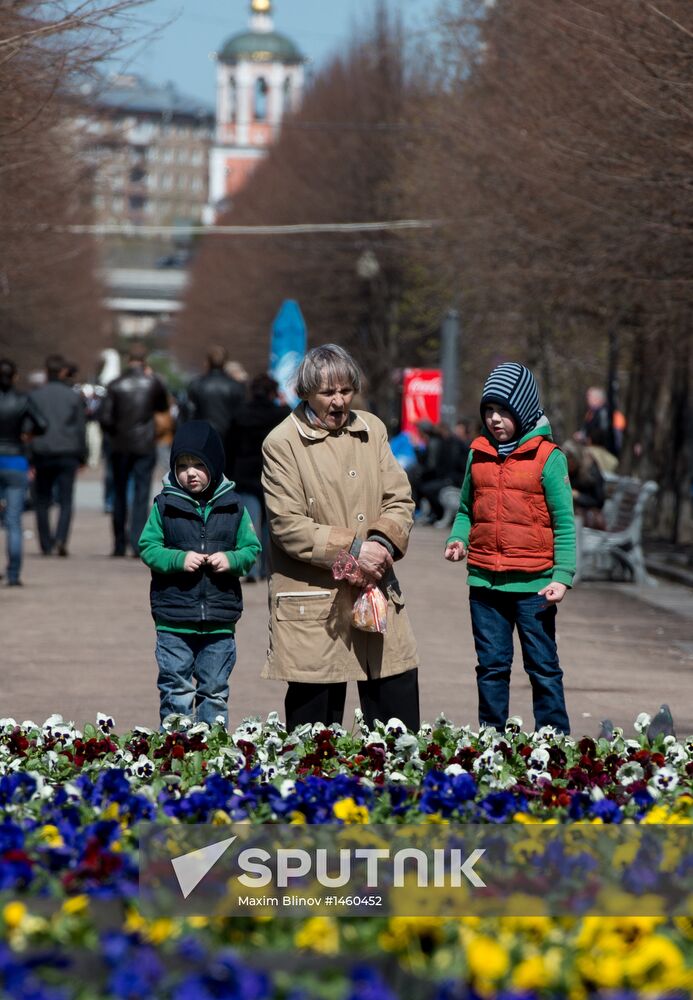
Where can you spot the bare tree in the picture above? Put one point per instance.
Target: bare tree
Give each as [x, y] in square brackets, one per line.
[50, 296]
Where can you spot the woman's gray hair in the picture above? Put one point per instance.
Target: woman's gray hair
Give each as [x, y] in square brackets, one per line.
[329, 362]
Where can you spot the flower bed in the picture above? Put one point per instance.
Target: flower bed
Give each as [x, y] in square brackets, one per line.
[72, 802]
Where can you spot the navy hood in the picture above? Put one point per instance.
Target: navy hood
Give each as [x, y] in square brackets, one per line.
[199, 438]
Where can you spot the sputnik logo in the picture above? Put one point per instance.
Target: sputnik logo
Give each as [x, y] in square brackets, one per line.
[191, 868]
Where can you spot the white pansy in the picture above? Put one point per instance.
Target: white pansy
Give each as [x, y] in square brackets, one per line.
[676, 754]
[144, 767]
[538, 758]
[642, 722]
[53, 720]
[665, 779]
[454, 769]
[596, 794]
[199, 728]
[536, 775]
[143, 731]
[287, 788]
[501, 781]
[490, 761]
[398, 777]
[426, 730]
[104, 721]
[269, 771]
[407, 741]
[274, 721]
[546, 733]
[394, 724]
[514, 724]
[629, 773]
[9, 723]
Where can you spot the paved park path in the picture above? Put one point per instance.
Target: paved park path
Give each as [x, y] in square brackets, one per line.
[78, 638]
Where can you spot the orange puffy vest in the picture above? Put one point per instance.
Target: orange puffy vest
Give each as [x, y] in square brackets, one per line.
[511, 524]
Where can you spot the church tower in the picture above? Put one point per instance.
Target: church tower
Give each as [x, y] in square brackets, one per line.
[260, 77]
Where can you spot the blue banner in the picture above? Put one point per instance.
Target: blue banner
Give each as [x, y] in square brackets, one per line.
[287, 347]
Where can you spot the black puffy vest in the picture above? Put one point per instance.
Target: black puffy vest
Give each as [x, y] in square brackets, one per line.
[188, 598]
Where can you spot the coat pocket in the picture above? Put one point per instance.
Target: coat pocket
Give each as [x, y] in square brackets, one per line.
[304, 605]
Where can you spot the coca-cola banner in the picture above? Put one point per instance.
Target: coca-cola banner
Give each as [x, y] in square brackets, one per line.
[422, 392]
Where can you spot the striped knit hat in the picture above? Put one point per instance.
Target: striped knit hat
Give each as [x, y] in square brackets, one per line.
[513, 387]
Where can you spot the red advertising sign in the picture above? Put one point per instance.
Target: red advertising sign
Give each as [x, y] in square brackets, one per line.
[422, 392]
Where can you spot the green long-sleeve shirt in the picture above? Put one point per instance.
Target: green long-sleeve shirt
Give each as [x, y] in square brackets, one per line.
[161, 559]
[559, 500]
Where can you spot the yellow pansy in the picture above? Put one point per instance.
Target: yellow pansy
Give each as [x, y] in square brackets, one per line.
[319, 934]
[658, 962]
[297, 818]
[134, 922]
[531, 974]
[402, 931]
[221, 818]
[111, 811]
[349, 812]
[14, 914]
[50, 835]
[162, 929]
[76, 904]
[487, 959]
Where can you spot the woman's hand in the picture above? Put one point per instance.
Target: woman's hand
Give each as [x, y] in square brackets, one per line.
[219, 562]
[554, 593]
[193, 561]
[455, 551]
[374, 560]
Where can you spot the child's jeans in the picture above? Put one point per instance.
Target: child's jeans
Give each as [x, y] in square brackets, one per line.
[495, 613]
[206, 659]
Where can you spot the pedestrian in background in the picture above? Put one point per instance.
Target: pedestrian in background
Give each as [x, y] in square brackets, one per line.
[57, 454]
[197, 542]
[586, 483]
[127, 416]
[251, 425]
[215, 396]
[20, 421]
[516, 526]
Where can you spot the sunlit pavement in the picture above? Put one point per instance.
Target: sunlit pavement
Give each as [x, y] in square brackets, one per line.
[78, 638]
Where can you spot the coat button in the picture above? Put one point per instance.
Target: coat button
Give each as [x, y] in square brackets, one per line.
[352, 473]
[360, 517]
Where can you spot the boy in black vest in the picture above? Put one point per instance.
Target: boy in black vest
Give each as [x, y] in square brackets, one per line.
[198, 541]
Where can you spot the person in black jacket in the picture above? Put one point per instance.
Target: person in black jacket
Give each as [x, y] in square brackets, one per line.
[19, 420]
[253, 422]
[215, 396]
[58, 454]
[127, 416]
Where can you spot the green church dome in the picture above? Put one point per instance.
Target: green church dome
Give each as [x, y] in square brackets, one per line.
[259, 46]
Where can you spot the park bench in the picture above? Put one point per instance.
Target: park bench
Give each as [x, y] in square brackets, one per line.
[616, 553]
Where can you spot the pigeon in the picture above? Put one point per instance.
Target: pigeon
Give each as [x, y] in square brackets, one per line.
[606, 731]
[661, 725]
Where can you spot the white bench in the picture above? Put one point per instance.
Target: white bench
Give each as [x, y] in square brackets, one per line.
[616, 553]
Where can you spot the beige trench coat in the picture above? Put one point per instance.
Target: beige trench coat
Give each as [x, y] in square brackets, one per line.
[322, 489]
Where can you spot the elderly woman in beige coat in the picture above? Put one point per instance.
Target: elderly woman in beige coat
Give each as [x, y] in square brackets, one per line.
[331, 483]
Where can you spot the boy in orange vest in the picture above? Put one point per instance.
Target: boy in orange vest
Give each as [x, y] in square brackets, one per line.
[516, 526]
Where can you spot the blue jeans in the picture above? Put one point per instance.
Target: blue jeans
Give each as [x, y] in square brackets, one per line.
[206, 659]
[495, 614]
[13, 484]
